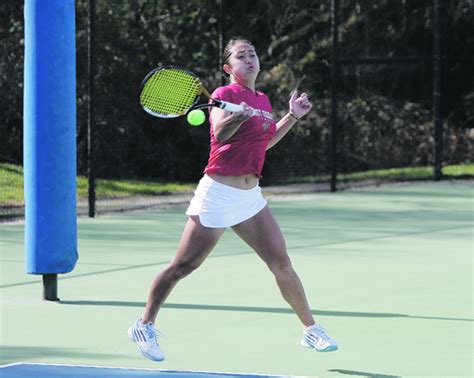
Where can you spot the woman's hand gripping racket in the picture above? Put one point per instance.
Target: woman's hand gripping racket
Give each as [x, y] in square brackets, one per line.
[170, 91]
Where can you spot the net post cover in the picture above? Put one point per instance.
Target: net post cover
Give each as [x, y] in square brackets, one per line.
[49, 154]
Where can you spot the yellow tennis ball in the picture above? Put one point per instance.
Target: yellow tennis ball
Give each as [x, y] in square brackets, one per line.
[196, 117]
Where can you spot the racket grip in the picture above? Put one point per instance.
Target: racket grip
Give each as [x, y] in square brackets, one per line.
[230, 107]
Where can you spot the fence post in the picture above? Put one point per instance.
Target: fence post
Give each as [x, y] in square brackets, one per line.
[91, 121]
[334, 84]
[438, 121]
[221, 40]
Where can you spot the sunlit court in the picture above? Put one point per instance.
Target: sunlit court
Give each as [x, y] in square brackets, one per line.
[236, 188]
[388, 270]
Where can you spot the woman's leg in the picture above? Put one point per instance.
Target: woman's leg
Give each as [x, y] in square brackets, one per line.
[196, 243]
[263, 234]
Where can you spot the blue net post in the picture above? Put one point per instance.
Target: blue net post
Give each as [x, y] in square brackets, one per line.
[49, 145]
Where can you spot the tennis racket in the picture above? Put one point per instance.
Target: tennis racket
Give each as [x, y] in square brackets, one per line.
[170, 92]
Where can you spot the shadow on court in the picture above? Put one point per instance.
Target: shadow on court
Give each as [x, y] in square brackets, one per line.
[26, 352]
[270, 310]
[362, 374]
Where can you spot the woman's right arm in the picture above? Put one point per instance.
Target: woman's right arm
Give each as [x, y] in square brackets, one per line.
[226, 123]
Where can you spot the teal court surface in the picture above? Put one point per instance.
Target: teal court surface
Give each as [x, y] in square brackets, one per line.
[388, 272]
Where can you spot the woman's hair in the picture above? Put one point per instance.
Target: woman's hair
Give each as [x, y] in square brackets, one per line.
[232, 42]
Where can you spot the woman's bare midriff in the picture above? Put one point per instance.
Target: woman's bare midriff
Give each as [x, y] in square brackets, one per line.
[240, 182]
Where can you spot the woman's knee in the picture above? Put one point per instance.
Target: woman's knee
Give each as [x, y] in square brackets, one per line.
[180, 270]
[281, 265]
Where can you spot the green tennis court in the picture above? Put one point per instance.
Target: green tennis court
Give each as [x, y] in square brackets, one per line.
[388, 272]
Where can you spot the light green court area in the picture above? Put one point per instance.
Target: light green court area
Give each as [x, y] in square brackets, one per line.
[388, 271]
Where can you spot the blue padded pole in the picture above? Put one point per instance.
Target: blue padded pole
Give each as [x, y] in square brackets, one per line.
[49, 150]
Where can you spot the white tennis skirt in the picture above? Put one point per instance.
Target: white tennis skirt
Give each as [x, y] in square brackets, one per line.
[219, 205]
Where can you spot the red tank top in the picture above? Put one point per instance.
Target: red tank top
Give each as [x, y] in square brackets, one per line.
[244, 152]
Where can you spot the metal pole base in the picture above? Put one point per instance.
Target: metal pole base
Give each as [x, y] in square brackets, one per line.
[50, 287]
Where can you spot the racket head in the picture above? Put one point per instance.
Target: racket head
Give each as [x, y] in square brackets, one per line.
[169, 91]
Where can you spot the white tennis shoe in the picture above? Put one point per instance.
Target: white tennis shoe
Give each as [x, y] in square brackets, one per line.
[146, 338]
[316, 337]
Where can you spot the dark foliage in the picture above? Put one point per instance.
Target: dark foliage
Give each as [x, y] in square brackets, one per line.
[385, 109]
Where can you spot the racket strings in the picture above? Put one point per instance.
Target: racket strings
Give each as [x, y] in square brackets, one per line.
[170, 92]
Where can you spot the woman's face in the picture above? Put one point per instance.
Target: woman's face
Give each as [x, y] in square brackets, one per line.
[244, 64]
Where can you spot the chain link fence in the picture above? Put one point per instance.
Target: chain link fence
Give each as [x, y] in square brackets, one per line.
[373, 91]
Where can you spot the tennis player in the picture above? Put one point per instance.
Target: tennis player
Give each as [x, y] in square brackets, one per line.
[229, 195]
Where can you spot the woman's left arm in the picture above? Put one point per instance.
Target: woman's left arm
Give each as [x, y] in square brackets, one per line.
[299, 107]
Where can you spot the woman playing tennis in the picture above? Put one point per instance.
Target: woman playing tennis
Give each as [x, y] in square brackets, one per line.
[229, 195]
